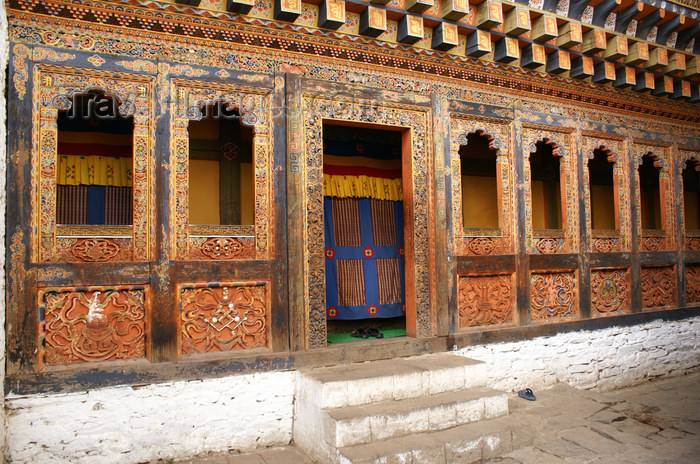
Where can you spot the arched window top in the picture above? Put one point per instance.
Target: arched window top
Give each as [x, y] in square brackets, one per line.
[692, 161]
[608, 153]
[657, 160]
[551, 144]
[224, 109]
[243, 107]
[93, 103]
[494, 142]
[96, 102]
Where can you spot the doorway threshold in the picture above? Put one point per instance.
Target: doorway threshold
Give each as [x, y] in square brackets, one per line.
[346, 337]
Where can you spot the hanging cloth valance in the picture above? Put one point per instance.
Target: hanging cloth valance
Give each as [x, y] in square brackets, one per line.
[94, 170]
[360, 177]
[346, 186]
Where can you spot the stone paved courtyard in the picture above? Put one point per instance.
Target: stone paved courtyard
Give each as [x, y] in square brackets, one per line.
[653, 423]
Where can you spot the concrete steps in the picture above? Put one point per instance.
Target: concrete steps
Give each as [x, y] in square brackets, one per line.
[348, 413]
[464, 444]
[354, 425]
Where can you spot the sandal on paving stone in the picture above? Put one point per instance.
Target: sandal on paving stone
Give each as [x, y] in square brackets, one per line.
[527, 394]
[359, 333]
[374, 333]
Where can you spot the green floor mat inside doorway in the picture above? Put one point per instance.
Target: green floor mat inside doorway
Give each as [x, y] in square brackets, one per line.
[347, 337]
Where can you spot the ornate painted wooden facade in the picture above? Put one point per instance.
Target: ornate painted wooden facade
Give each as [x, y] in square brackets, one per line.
[162, 298]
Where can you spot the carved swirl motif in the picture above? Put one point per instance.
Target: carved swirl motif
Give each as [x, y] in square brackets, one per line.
[609, 291]
[548, 245]
[692, 284]
[658, 287]
[482, 246]
[653, 243]
[222, 248]
[485, 300]
[692, 243]
[553, 295]
[223, 319]
[94, 326]
[605, 245]
[95, 250]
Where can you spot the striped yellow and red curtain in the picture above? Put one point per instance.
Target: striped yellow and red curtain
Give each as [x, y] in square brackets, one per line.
[94, 177]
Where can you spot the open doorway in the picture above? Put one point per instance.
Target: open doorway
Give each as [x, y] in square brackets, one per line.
[364, 233]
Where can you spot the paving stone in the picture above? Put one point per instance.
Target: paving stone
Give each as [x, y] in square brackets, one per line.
[607, 416]
[672, 433]
[245, 459]
[287, 455]
[635, 427]
[622, 437]
[563, 449]
[531, 455]
[589, 439]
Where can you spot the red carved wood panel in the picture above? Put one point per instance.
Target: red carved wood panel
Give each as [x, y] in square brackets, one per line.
[485, 300]
[692, 284]
[658, 286]
[553, 295]
[92, 325]
[93, 250]
[226, 317]
[224, 248]
[610, 291]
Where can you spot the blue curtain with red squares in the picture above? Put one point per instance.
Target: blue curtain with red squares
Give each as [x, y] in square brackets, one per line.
[364, 258]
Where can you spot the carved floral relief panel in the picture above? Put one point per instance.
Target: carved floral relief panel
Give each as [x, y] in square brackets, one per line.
[199, 242]
[468, 242]
[663, 238]
[54, 89]
[691, 238]
[611, 291]
[485, 300]
[417, 120]
[553, 295]
[565, 240]
[94, 324]
[692, 283]
[615, 150]
[224, 317]
[658, 286]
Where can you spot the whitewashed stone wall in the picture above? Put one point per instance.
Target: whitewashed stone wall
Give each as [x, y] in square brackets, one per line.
[4, 51]
[601, 359]
[136, 424]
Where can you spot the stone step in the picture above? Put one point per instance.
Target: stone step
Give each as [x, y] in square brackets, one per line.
[353, 425]
[464, 444]
[369, 382]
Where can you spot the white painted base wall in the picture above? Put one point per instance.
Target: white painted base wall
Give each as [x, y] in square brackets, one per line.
[602, 359]
[176, 420]
[182, 419]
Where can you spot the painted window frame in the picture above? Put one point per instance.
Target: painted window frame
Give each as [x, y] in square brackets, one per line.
[54, 89]
[620, 238]
[471, 241]
[220, 242]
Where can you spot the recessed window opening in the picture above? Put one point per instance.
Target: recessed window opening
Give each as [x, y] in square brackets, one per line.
[480, 195]
[602, 191]
[221, 174]
[691, 196]
[95, 162]
[545, 187]
[649, 193]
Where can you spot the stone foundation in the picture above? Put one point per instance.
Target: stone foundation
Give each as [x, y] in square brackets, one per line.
[603, 359]
[245, 412]
[136, 424]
